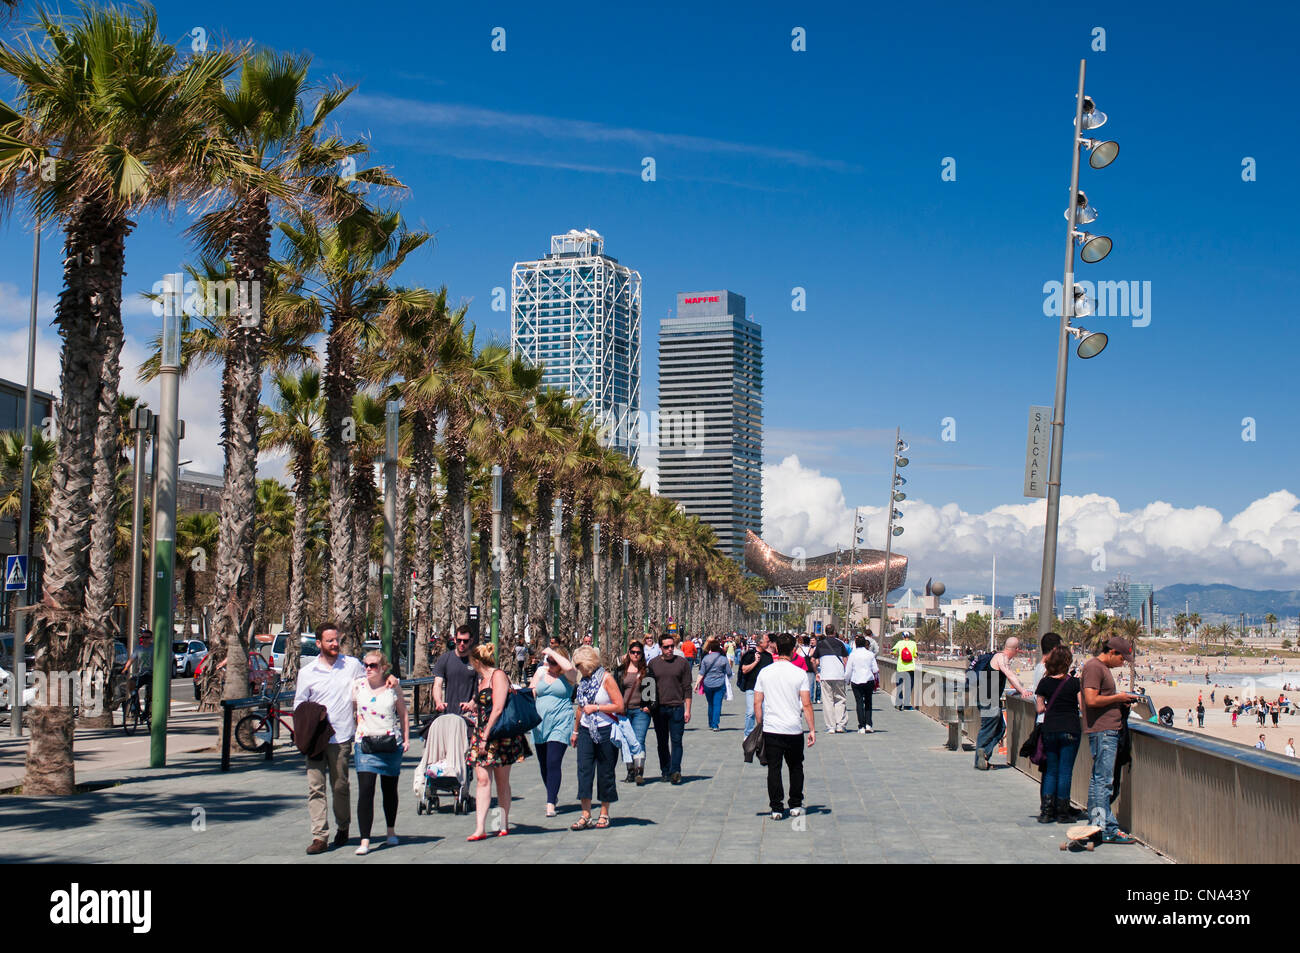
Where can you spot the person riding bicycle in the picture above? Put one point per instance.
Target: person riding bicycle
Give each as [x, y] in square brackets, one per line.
[141, 670]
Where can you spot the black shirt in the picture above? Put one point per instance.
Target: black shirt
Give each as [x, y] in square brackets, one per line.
[1063, 715]
[459, 683]
[747, 679]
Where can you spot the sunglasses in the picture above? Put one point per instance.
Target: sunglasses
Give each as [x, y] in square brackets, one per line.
[462, 641]
[372, 665]
[635, 652]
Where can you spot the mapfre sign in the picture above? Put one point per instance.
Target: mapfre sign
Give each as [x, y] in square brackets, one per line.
[701, 300]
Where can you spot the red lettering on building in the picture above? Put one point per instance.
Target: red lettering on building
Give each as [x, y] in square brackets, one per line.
[699, 300]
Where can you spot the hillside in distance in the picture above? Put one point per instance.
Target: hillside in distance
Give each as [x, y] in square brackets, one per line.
[1219, 599]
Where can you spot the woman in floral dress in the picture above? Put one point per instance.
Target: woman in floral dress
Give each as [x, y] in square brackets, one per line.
[491, 759]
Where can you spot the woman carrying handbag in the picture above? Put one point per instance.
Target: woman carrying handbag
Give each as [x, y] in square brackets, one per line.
[1057, 698]
[383, 736]
[491, 757]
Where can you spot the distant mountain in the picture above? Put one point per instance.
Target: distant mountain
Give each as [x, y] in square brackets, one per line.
[1225, 600]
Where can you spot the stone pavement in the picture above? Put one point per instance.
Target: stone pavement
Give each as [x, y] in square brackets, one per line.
[896, 796]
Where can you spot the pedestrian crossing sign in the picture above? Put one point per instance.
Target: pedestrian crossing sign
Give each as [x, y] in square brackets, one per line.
[15, 573]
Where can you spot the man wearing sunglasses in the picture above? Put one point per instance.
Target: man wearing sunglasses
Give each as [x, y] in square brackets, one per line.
[327, 681]
[454, 681]
[672, 675]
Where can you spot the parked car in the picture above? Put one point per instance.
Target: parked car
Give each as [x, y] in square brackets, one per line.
[188, 654]
[259, 673]
[307, 649]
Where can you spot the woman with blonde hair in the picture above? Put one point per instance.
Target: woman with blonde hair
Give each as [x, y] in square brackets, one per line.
[383, 736]
[552, 686]
[598, 703]
[491, 757]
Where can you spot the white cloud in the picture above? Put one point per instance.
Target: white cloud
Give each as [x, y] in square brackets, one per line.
[1158, 543]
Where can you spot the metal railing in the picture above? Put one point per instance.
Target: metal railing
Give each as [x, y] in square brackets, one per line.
[285, 701]
[1194, 798]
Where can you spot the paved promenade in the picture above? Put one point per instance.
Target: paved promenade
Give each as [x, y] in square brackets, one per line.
[896, 796]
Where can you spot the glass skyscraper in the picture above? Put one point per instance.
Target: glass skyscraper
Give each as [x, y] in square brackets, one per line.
[710, 424]
[578, 313]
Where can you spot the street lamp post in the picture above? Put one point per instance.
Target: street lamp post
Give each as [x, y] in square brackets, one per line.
[895, 496]
[1095, 248]
[164, 529]
[626, 548]
[557, 514]
[392, 417]
[496, 558]
[24, 518]
[142, 422]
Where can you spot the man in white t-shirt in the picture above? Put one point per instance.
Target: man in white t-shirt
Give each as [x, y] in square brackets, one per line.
[829, 657]
[780, 699]
[327, 681]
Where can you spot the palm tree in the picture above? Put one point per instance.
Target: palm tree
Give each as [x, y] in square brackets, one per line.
[340, 271]
[116, 118]
[928, 632]
[293, 423]
[11, 477]
[196, 542]
[1271, 621]
[291, 164]
[545, 448]
[275, 520]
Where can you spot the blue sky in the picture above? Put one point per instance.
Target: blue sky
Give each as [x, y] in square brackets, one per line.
[821, 170]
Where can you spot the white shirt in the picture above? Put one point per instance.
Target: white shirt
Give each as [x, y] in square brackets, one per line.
[1290, 751]
[862, 667]
[780, 684]
[331, 686]
[652, 651]
[1040, 673]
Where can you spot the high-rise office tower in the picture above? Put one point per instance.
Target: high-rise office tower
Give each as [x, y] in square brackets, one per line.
[711, 414]
[578, 312]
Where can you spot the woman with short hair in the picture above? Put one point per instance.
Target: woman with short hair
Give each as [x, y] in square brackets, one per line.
[598, 703]
[383, 736]
[491, 757]
[715, 670]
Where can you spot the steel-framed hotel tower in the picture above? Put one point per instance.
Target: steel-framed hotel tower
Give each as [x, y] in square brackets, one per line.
[577, 312]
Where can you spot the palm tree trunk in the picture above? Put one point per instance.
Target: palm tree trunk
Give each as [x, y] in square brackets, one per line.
[483, 584]
[456, 564]
[340, 430]
[365, 499]
[423, 436]
[250, 252]
[584, 573]
[97, 653]
[88, 315]
[298, 549]
[509, 568]
[539, 556]
[402, 568]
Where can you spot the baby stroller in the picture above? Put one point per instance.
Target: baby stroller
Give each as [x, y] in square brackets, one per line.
[441, 772]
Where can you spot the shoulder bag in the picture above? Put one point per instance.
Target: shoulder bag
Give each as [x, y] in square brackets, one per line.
[518, 717]
[1033, 746]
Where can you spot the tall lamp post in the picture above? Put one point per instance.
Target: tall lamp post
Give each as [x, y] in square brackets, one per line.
[24, 518]
[392, 418]
[895, 496]
[1073, 302]
[626, 548]
[557, 515]
[496, 558]
[142, 423]
[164, 528]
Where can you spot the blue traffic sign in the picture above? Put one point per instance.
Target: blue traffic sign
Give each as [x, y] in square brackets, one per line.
[15, 573]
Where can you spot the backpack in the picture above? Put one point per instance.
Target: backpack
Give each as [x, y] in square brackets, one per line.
[978, 678]
[906, 655]
[981, 663]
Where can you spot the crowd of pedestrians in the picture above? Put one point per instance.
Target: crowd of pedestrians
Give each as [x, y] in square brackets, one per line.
[350, 712]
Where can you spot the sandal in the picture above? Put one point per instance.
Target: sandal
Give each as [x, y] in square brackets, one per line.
[602, 821]
[582, 823]
[474, 837]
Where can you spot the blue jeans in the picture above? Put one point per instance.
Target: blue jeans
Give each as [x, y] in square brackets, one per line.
[991, 731]
[749, 711]
[1103, 745]
[669, 725]
[640, 725]
[1060, 748]
[715, 697]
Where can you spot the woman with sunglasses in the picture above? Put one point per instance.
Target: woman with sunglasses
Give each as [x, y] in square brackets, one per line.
[552, 686]
[491, 757]
[631, 675]
[383, 736]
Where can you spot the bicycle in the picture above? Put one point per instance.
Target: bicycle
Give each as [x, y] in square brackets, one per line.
[256, 731]
[132, 711]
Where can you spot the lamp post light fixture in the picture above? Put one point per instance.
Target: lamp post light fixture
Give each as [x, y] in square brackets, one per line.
[1094, 248]
[392, 418]
[895, 496]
